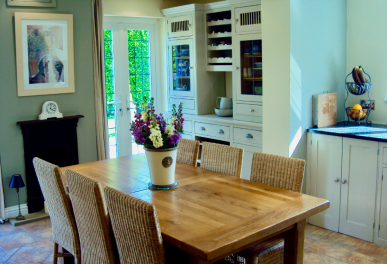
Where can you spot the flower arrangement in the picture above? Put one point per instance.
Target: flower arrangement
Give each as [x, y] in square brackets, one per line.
[152, 131]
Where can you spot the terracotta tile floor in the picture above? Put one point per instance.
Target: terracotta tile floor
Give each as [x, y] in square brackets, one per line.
[32, 243]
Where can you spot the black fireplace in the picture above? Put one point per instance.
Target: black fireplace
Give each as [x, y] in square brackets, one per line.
[53, 140]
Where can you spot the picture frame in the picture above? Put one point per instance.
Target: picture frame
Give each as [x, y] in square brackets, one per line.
[44, 53]
[37, 3]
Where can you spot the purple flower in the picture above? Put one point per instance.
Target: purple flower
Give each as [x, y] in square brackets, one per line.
[174, 139]
[138, 135]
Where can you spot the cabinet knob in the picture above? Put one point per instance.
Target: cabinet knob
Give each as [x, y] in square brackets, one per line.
[344, 181]
[236, 68]
[202, 128]
[191, 67]
[221, 131]
[252, 110]
[249, 136]
[336, 180]
[236, 20]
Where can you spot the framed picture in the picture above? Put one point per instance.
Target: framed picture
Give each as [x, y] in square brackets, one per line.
[44, 53]
[38, 3]
[368, 104]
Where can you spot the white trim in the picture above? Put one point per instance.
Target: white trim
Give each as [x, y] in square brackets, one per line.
[2, 213]
[13, 211]
[234, 2]
[217, 5]
[181, 9]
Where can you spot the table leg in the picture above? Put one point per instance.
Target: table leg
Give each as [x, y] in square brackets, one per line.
[294, 244]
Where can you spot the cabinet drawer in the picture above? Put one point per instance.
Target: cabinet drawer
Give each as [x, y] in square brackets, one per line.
[249, 110]
[187, 136]
[187, 103]
[248, 136]
[217, 131]
[187, 126]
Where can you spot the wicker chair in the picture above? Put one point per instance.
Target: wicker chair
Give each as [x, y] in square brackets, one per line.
[222, 158]
[187, 152]
[91, 215]
[136, 228]
[277, 171]
[64, 229]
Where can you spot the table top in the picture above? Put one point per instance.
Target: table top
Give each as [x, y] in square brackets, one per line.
[208, 215]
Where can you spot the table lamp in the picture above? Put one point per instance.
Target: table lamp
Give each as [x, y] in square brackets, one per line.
[17, 182]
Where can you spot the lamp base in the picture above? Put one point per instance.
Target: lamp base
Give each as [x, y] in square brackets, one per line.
[20, 217]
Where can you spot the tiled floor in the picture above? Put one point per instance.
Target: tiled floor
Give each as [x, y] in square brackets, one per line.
[32, 243]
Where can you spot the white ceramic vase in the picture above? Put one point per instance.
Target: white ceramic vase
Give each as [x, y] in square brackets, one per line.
[162, 164]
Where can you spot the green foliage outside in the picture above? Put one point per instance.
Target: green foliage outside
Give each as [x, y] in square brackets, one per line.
[109, 73]
[139, 71]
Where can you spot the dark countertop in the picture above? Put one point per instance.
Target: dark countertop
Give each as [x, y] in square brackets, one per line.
[375, 132]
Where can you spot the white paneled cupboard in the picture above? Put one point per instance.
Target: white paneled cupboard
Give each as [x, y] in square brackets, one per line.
[345, 171]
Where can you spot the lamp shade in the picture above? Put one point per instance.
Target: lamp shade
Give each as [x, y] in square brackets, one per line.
[16, 181]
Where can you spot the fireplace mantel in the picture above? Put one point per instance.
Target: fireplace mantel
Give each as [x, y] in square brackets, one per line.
[54, 140]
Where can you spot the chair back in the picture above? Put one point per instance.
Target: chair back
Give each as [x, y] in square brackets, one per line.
[136, 228]
[187, 152]
[95, 233]
[64, 229]
[283, 172]
[222, 158]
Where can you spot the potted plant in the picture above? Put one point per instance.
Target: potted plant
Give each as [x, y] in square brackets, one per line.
[160, 140]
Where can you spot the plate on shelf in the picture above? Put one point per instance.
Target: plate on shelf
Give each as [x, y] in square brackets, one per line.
[257, 53]
[246, 53]
[181, 89]
[223, 112]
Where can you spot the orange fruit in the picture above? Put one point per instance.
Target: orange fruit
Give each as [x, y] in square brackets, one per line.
[357, 114]
[357, 107]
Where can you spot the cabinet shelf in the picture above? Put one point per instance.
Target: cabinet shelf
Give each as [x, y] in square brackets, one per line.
[219, 60]
[182, 77]
[220, 35]
[220, 47]
[219, 22]
[251, 56]
[252, 79]
[182, 58]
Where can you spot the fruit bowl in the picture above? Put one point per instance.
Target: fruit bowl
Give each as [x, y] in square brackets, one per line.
[358, 88]
[356, 114]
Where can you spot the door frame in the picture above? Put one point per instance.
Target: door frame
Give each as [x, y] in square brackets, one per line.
[119, 26]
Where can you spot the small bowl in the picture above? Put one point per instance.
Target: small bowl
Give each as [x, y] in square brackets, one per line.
[223, 112]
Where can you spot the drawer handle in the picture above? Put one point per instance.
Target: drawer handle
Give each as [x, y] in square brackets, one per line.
[336, 180]
[252, 110]
[221, 131]
[249, 136]
[202, 128]
[344, 181]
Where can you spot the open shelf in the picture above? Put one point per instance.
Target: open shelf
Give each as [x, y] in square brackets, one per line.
[219, 22]
[182, 58]
[252, 79]
[220, 47]
[220, 35]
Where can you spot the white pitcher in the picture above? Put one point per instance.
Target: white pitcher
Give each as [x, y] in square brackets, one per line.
[225, 103]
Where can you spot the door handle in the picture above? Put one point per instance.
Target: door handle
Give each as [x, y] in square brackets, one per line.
[336, 180]
[119, 104]
[344, 181]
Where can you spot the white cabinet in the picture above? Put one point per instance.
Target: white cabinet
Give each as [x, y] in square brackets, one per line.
[358, 188]
[248, 19]
[380, 233]
[325, 177]
[344, 171]
[180, 26]
[181, 68]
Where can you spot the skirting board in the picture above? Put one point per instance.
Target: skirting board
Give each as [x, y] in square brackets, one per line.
[13, 211]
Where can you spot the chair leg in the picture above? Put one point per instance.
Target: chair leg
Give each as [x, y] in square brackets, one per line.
[55, 255]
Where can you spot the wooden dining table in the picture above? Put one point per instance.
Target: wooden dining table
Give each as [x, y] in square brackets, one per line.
[209, 215]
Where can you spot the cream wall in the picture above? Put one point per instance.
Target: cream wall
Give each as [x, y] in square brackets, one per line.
[276, 46]
[366, 46]
[139, 8]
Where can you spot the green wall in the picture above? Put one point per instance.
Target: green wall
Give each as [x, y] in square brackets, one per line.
[14, 108]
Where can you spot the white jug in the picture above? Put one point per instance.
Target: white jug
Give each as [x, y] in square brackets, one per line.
[225, 103]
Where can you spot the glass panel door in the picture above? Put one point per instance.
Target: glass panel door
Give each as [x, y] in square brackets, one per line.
[249, 72]
[182, 73]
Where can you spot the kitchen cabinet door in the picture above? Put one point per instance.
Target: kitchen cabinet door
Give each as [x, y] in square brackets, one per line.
[325, 176]
[249, 67]
[358, 188]
[180, 26]
[248, 19]
[181, 68]
[248, 152]
[380, 232]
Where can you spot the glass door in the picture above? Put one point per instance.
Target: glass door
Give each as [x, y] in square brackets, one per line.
[181, 75]
[249, 69]
[130, 62]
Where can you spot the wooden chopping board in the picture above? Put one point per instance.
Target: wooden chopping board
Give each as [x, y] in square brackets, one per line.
[326, 109]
